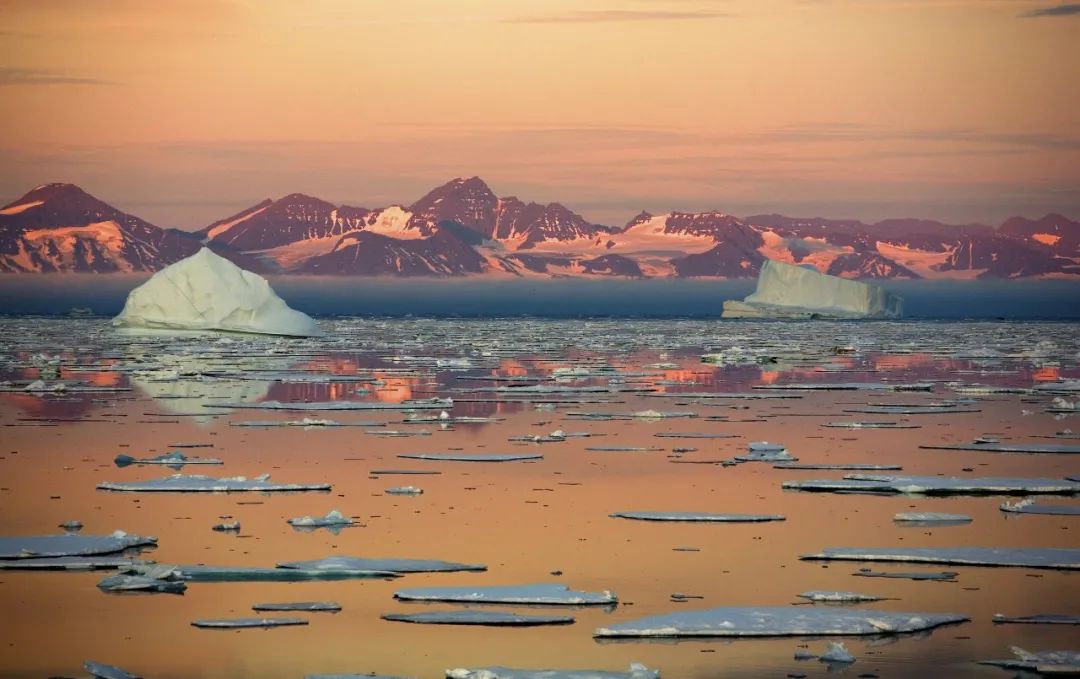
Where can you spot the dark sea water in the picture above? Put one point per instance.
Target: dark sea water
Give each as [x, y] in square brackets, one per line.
[56, 294]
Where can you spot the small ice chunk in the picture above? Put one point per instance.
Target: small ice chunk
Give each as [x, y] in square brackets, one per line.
[226, 527]
[473, 617]
[332, 518]
[72, 526]
[548, 594]
[837, 653]
[173, 459]
[931, 518]
[404, 490]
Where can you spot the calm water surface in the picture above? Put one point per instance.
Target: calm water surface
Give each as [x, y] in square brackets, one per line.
[523, 519]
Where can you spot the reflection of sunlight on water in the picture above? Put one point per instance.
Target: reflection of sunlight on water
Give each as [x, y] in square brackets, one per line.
[1047, 374]
[396, 388]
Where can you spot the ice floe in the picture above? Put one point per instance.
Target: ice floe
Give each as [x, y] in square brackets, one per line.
[355, 563]
[453, 457]
[1066, 663]
[173, 459]
[1031, 507]
[637, 671]
[244, 623]
[322, 606]
[1042, 619]
[778, 621]
[49, 546]
[180, 483]
[332, 518]
[1028, 557]
[472, 617]
[836, 596]
[698, 517]
[546, 594]
[937, 485]
[102, 671]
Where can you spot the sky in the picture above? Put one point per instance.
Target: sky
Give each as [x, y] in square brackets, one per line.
[185, 112]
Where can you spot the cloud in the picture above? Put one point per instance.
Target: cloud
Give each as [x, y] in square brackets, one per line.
[30, 76]
[597, 16]
[1070, 9]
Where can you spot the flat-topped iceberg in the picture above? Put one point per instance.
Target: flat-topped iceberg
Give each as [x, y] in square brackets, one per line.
[208, 292]
[789, 291]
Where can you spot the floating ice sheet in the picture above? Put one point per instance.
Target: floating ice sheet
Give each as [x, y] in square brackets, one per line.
[404, 490]
[173, 459]
[835, 596]
[1042, 619]
[778, 621]
[328, 606]
[101, 671]
[698, 517]
[1044, 662]
[472, 617]
[48, 546]
[139, 583]
[930, 518]
[847, 386]
[944, 576]
[421, 404]
[910, 410]
[548, 594]
[870, 425]
[307, 422]
[201, 573]
[244, 623]
[355, 563]
[636, 672]
[453, 457]
[1031, 507]
[66, 563]
[1028, 557]
[938, 485]
[180, 483]
[838, 467]
[1008, 447]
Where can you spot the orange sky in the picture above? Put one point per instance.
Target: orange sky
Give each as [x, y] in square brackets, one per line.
[184, 112]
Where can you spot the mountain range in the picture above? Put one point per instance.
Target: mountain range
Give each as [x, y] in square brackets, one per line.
[463, 229]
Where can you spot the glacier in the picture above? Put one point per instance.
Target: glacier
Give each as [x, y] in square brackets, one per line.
[208, 292]
[789, 291]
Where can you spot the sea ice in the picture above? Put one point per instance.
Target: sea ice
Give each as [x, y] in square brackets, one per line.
[472, 617]
[418, 404]
[943, 576]
[208, 292]
[179, 483]
[328, 606]
[545, 594]
[139, 583]
[937, 485]
[243, 623]
[789, 291]
[354, 563]
[201, 573]
[930, 518]
[837, 653]
[833, 596]
[404, 490]
[452, 457]
[107, 671]
[66, 563]
[838, 467]
[1031, 507]
[778, 621]
[332, 518]
[173, 459]
[1044, 662]
[47, 546]
[1008, 447]
[1027, 557]
[697, 516]
[1043, 619]
[637, 671]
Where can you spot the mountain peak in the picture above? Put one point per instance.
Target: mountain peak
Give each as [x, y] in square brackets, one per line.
[54, 191]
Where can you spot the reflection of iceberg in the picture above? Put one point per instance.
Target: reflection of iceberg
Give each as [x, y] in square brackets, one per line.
[178, 387]
[788, 291]
[208, 292]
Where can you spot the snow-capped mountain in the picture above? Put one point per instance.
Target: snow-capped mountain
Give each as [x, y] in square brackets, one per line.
[60, 227]
[464, 229]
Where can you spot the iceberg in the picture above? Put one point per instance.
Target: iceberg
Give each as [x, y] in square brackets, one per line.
[789, 291]
[208, 292]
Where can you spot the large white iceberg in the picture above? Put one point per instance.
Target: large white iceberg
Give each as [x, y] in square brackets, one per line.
[208, 292]
[789, 291]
